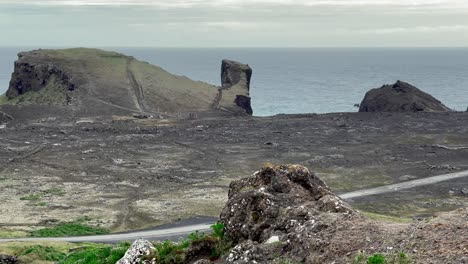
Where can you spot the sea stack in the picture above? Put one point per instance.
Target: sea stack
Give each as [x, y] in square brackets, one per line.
[400, 97]
[235, 84]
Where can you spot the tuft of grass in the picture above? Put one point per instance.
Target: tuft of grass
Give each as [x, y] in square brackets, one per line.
[97, 254]
[69, 229]
[218, 230]
[392, 258]
[377, 259]
[42, 253]
[11, 233]
[386, 218]
[31, 197]
[169, 252]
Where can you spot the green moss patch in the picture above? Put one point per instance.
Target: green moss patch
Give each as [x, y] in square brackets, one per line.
[77, 228]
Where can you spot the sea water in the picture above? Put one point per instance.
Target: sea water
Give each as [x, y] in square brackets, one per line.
[315, 80]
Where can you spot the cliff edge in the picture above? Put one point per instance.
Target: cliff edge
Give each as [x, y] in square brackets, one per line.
[89, 82]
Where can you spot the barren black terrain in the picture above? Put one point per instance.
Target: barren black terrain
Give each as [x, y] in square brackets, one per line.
[129, 173]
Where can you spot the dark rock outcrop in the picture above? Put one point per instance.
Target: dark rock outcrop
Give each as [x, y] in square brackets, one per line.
[400, 97]
[6, 259]
[235, 84]
[34, 76]
[278, 209]
[5, 118]
[233, 72]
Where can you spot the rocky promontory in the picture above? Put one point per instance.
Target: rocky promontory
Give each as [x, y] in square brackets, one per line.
[91, 82]
[400, 97]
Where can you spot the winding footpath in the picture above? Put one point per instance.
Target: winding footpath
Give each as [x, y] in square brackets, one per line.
[182, 231]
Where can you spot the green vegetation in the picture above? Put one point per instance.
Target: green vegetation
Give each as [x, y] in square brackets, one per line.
[399, 258]
[43, 253]
[31, 197]
[218, 230]
[169, 252]
[386, 218]
[342, 179]
[376, 259]
[100, 254]
[76, 228]
[12, 233]
[37, 197]
[3, 99]
[53, 92]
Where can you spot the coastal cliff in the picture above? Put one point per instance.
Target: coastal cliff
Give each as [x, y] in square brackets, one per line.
[91, 82]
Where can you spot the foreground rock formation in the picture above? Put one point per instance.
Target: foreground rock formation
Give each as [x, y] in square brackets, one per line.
[5, 259]
[286, 213]
[286, 210]
[400, 97]
[90, 82]
[134, 254]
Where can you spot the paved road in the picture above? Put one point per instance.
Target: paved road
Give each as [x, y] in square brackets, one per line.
[163, 234]
[182, 231]
[404, 185]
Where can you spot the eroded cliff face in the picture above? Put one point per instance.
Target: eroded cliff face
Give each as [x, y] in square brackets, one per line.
[30, 76]
[91, 82]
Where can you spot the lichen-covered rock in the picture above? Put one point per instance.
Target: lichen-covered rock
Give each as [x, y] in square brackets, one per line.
[138, 249]
[400, 97]
[287, 209]
[6, 259]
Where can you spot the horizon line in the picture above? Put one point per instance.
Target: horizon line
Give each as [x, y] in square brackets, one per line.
[233, 47]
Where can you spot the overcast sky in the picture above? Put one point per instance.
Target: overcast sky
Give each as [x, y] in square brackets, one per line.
[234, 23]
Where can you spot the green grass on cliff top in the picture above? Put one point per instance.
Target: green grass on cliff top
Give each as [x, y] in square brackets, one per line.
[3, 99]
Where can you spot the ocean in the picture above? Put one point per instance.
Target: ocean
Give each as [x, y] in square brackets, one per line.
[315, 80]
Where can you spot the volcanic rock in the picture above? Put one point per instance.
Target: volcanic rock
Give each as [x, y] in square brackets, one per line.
[235, 84]
[138, 249]
[6, 259]
[5, 118]
[400, 97]
[281, 206]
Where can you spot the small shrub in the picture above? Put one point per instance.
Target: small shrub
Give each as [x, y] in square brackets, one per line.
[170, 253]
[69, 229]
[376, 259]
[218, 230]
